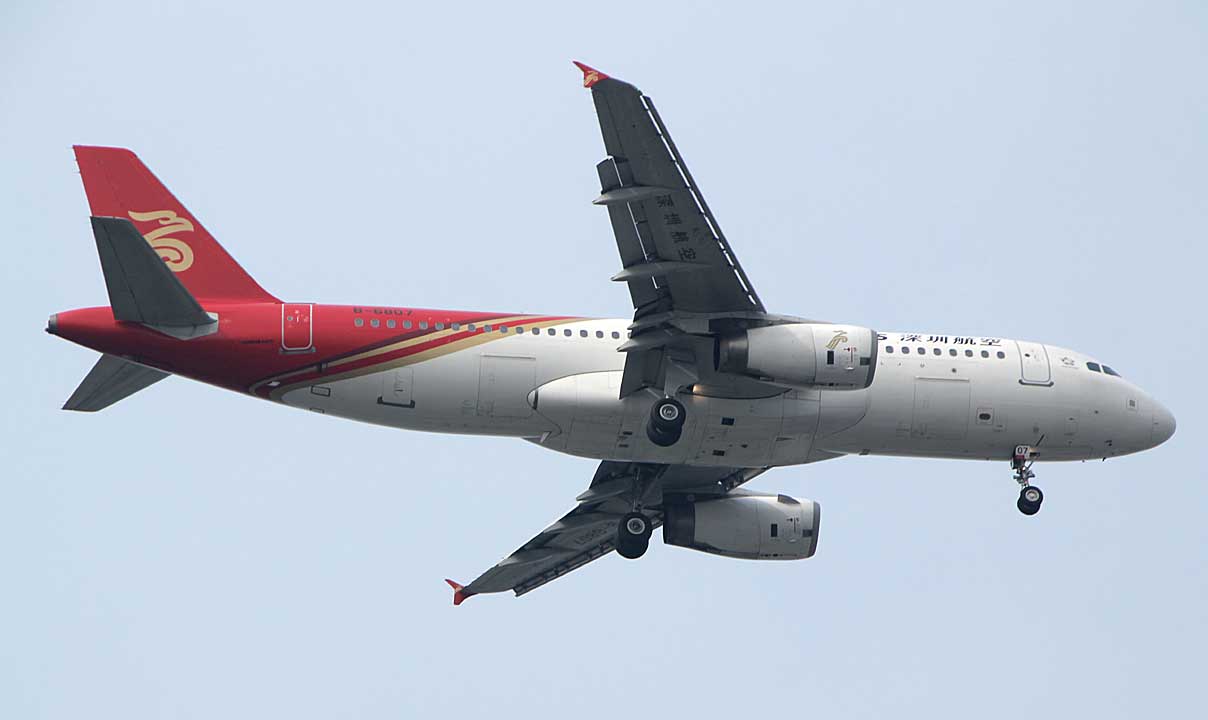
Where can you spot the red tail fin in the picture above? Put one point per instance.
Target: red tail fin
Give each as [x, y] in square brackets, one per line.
[119, 185]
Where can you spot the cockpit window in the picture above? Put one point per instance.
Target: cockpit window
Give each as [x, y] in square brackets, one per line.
[1111, 372]
[1093, 367]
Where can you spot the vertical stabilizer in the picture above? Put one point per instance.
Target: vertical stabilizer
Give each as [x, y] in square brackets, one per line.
[119, 185]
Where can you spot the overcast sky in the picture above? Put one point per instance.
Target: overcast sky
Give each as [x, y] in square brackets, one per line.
[1034, 170]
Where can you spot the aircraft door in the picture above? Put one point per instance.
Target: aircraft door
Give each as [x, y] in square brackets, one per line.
[297, 331]
[396, 388]
[1033, 363]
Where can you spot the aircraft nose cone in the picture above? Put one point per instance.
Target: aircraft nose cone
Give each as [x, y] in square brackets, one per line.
[1163, 425]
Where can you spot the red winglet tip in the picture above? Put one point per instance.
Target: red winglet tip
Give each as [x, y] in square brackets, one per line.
[591, 76]
[459, 592]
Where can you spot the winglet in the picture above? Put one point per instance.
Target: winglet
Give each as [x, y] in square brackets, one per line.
[459, 592]
[591, 76]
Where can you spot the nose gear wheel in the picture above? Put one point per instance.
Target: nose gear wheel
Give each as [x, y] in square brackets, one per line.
[1030, 496]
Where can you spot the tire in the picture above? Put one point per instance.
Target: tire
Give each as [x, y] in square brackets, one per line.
[666, 422]
[636, 525]
[662, 438]
[1030, 499]
[668, 415]
[632, 549]
[633, 535]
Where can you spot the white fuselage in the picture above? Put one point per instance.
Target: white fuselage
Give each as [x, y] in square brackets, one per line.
[931, 396]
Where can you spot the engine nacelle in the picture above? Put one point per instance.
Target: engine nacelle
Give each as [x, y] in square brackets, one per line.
[745, 525]
[802, 355]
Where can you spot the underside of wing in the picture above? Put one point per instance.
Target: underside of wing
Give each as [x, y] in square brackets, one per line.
[673, 253]
[589, 531]
[685, 280]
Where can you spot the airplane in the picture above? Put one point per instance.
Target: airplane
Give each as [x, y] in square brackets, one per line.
[701, 391]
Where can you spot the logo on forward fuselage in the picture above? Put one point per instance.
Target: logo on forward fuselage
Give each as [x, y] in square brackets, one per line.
[176, 253]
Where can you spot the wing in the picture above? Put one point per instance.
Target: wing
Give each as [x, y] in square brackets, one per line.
[589, 530]
[675, 257]
[683, 277]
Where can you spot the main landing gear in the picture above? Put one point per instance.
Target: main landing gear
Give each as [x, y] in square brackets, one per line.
[666, 422]
[633, 535]
[1030, 496]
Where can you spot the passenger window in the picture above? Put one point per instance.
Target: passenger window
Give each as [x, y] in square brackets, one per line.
[520, 331]
[389, 323]
[616, 335]
[486, 328]
[375, 322]
[567, 333]
[1001, 354]
[470, 327]
[582, 333]
[423, 325]
[952, 352]
[905, 350]
[985, 353]
[358, 322]
[456, 326]
[440, 326]
[536, 331]
[599, 333]
[922, 351]
[1093, 367]
[1111, 372]
[552, 331]
[968, 353]
[503, 328]
[936, 351]
[889, 349]
[406, 324]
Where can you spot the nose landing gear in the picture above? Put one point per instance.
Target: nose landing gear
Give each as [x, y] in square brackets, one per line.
[1030, 496]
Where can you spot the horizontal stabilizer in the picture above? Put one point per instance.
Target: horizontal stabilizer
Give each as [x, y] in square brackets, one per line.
[110, 380]
[141, 287]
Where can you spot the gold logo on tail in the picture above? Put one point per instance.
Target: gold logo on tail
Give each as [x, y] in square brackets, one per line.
[177, 254]
[840, 337]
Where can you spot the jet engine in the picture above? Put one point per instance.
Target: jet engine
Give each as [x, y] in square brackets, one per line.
[746, 525]
[802, 355]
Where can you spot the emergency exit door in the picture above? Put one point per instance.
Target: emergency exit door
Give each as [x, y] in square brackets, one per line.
[297, 330]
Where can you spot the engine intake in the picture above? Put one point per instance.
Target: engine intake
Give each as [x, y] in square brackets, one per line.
[745, 525]
[802, 355]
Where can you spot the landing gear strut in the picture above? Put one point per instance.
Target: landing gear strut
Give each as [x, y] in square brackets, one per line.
[1030, 496]
[633, 535]
[666, 422]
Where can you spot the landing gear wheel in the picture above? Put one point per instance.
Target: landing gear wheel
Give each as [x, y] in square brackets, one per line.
[1030, 496]
[1030, 499]
[633, 535]
[660, 437]
[666, 422]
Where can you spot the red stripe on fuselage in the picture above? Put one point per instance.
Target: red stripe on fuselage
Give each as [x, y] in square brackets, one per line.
[246, 351]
